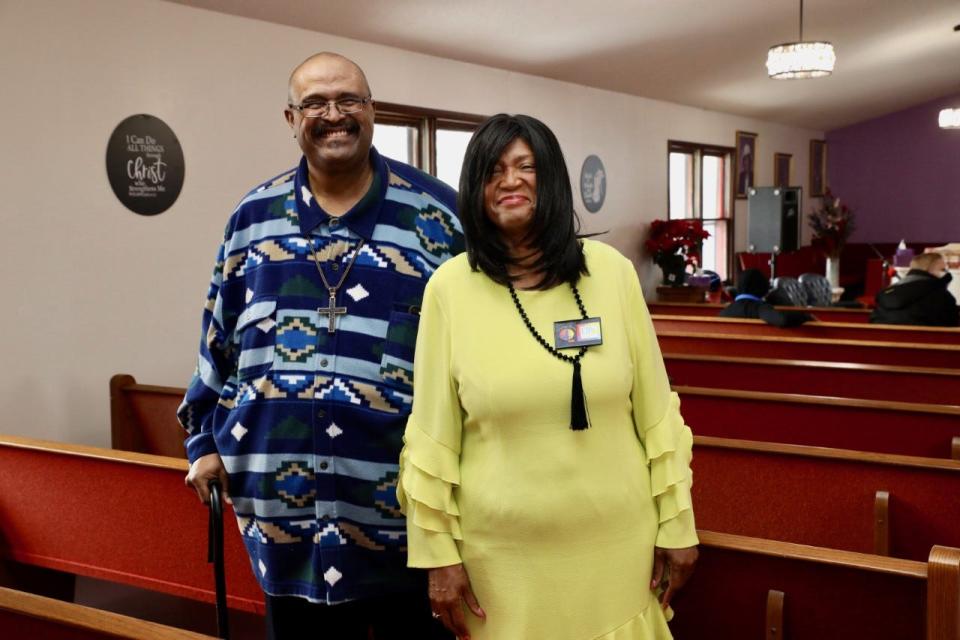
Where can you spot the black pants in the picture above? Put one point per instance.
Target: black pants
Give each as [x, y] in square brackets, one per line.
[396, 617]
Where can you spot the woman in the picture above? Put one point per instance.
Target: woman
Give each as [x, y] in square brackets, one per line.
[547, 490]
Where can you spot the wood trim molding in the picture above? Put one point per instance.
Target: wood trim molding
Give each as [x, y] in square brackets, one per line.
[827, 453]
[449, 116]
[835, 557]
[96, 453]
[799, 398]
[69, 614]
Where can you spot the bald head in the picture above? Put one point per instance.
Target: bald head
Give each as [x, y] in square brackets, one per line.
[325, 63]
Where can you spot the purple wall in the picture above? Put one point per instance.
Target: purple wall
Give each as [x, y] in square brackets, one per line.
[900, 173]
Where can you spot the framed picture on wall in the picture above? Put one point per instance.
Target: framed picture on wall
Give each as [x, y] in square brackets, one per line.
[782, 169]
[746, 160]
[818, 168]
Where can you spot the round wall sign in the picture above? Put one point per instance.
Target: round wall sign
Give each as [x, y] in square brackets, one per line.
[593, 184]
[145, 164]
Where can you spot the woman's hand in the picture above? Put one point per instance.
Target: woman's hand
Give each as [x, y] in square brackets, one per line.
[671, 568]
[447, 587]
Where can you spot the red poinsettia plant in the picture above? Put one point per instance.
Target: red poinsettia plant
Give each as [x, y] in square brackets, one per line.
[681, 237]
[832, 225]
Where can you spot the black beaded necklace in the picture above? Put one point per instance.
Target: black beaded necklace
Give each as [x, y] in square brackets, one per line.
[578, 402]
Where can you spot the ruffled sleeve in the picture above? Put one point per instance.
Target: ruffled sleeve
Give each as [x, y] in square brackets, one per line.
[430, 460]
[656, 413]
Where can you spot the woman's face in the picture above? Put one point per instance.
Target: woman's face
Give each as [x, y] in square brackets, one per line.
[510, 195]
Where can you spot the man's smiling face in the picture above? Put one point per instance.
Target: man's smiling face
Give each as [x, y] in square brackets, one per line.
[333, 142]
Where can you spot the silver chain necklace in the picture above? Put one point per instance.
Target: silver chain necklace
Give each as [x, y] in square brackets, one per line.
[332, 310]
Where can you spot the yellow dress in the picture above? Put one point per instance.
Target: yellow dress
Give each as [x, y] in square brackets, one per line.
[555, 527]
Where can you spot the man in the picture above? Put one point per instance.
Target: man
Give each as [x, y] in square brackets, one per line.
[303, 386]
[921, 297]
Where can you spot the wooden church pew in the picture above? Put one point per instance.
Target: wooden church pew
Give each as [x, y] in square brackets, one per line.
[811, 377]
[26, 616]
[824, 330]
[712, 310]
[826, 497]
[904, 428]
[114, 515]
[789, 348]
[753, 588]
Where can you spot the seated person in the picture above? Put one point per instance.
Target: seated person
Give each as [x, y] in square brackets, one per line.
[920, 297]
[749, 303]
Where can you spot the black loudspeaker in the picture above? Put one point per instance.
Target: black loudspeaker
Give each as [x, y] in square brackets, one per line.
[773, 218]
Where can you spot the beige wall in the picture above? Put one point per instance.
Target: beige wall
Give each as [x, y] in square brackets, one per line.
[90, 289]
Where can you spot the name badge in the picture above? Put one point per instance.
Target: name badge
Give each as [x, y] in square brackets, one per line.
[577, 333]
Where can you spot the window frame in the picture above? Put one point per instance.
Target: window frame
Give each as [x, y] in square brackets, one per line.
[699, 150]
[426, 121]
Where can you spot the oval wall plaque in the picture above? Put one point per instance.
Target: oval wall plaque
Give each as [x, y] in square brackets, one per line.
[593, 183]
[145, 164]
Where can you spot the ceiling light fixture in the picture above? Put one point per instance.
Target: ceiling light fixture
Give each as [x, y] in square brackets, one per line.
[800, 59]
[950, 118]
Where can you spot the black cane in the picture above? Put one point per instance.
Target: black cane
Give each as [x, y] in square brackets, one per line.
[215, 555]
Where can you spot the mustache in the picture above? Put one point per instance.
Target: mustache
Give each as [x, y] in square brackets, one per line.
[321, 129]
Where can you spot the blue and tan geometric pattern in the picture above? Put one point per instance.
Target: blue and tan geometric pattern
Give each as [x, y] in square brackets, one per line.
[387, 257]
[359, 538]
[396, 373]
[265, 532]
[436, 231]
[385, 496]
[294, 483]
[329, 536]
[277, 385]
[362, 394]
[296, 339]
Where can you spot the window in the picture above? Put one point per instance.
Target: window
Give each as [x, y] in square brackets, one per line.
[699, 186]
[431, 140]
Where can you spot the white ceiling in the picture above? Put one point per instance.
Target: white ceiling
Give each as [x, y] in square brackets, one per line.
[891, 54]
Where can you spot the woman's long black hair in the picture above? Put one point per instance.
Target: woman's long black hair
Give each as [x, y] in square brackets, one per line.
[553, 231]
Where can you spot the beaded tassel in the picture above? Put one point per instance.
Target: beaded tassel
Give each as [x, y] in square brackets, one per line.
[578, 402]
[579, 420]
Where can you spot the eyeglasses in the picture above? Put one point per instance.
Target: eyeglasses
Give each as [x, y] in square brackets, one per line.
[320, 108]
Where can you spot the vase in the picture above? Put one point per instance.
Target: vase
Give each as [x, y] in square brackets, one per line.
[833, 271]
[674, 270]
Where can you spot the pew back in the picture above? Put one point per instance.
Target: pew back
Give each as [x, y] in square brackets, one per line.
[711, 310]
[790, 348]
[825, 497]
[811, 377]
[119, 516]
[823, 330]
[904, 428]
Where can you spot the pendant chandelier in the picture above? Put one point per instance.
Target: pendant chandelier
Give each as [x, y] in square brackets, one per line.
[800, 59]
[950, 118]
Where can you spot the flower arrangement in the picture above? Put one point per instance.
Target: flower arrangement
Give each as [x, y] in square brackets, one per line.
[832, 225]
[669, 238]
